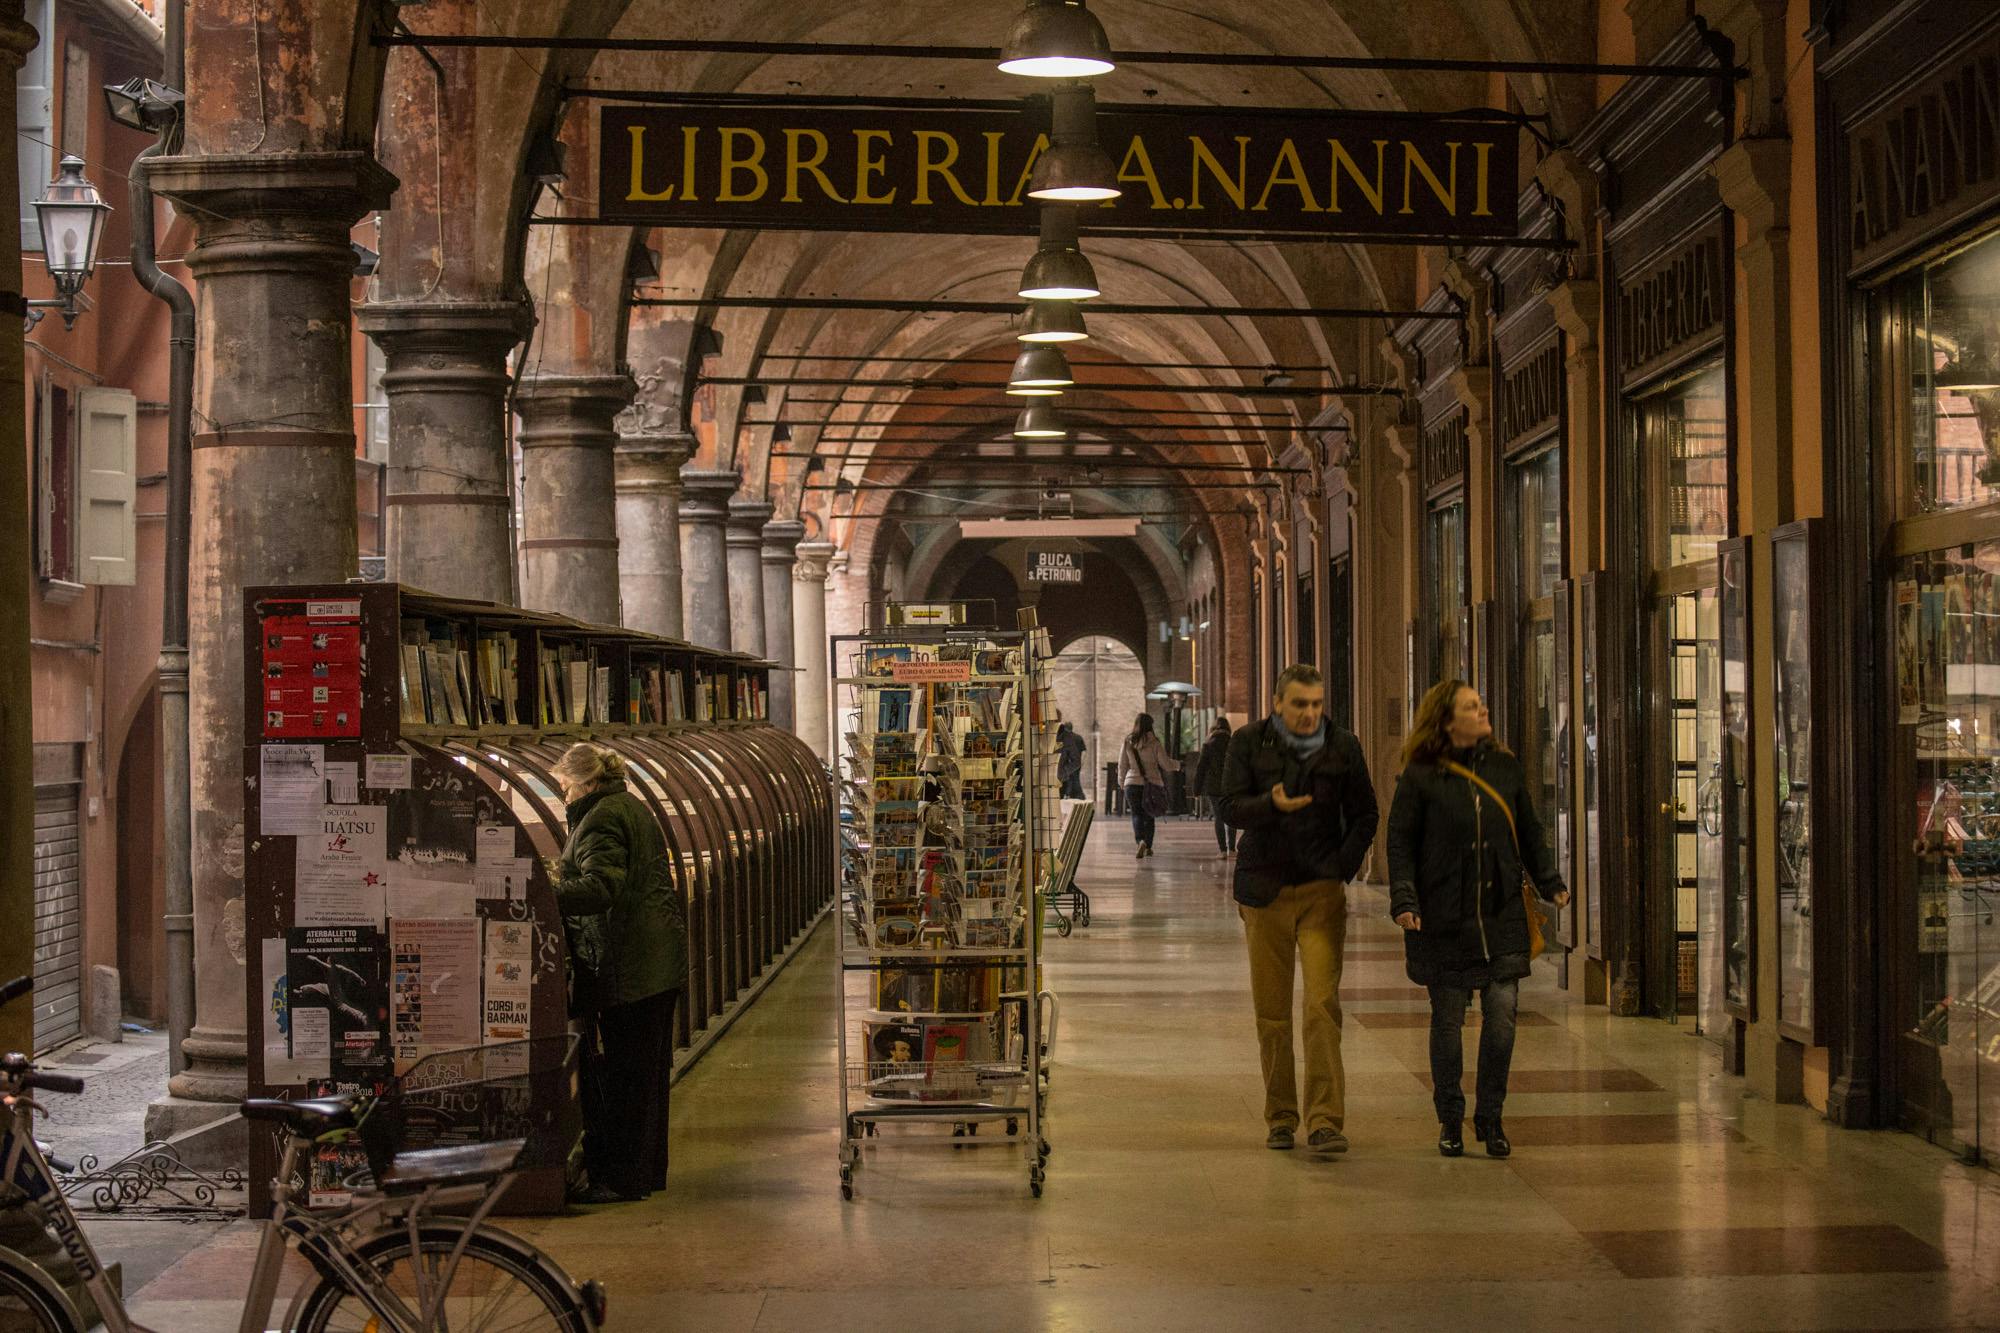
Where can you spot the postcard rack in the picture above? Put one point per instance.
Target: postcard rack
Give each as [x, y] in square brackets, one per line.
[941, 1019]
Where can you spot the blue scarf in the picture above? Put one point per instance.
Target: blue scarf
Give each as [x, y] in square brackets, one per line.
[1303, 747]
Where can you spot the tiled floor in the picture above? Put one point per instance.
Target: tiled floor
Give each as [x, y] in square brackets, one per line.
[1646, 1191]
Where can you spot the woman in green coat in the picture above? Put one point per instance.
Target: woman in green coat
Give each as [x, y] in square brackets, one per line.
[628, 961]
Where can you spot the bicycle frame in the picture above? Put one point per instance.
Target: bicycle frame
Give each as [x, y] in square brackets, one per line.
[322, 1238]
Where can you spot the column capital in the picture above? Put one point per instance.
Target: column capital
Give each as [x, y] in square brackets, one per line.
[651, 463]
[417, 325]
[747, 518]
[705, 493]
[1754, 178]
[1578, 308]
[337, 189]
[781, 540]
[1472, 386]
[601, 396]
[813, 560]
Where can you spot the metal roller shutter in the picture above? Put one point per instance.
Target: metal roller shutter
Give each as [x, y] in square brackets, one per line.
[58, 995]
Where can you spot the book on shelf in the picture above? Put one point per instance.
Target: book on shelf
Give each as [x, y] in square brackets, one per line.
[410, 694]
[576, 689]
[600, 695]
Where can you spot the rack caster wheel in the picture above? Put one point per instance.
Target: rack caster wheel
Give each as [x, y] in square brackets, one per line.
[868, 1129]
[847, 1191]
[1036, 1189]
[1013, 1128]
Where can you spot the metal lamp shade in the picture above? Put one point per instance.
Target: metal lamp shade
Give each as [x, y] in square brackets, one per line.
[1040, 366]
[1074, 173]
[72, 215]
[1053, 322]
[1040, 422]
[1056, 39]
[1059, 273]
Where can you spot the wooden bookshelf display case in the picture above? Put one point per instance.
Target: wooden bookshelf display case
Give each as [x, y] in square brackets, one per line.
[400, 804]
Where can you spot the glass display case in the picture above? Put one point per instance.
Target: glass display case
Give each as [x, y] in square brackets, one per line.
[404, 749]
[1794, 563]
[1739, 920]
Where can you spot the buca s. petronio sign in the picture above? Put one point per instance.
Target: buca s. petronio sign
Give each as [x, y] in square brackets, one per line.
[967, 171]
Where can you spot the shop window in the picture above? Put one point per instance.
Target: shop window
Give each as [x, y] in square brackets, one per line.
[1951, 312]
[1447, 543]
[1535, 493]
[1684, 449]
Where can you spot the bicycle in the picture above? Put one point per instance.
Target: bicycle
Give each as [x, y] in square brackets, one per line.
[429, 1201]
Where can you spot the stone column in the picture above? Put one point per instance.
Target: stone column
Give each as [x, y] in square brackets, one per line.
[705, 579]
[569, 516]
[746, 575]
[648, 469]
[448, 510]
[273, 502]
[781, 539]
[809, 646]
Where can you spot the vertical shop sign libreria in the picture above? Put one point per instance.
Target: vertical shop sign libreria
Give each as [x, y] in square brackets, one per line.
[943, 170]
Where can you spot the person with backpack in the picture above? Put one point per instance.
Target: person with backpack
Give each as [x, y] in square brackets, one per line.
[1464, 841]
[1298, 787]
[626, 923]
[1143, 766]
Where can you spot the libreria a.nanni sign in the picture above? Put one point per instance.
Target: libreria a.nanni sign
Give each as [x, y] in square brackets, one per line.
[967, 171]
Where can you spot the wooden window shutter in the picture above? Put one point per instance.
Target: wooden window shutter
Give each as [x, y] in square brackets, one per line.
[107, 457]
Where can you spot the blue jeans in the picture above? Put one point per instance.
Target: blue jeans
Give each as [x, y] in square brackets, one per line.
[1142, 819]
[1499, 1002]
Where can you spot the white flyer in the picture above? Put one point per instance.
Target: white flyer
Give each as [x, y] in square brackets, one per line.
[431, 890]
[390, 772]
[502, 877]
[343, 782]
[494, 840]
[282, 1065]
[342, 867]
[510, 979]
[291, 788]
[312, 1036]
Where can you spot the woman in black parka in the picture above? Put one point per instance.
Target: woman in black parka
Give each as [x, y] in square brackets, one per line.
[1462, 831]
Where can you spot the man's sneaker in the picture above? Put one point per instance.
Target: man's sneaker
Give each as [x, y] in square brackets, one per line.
[1279, 1139]
[1327, 1141]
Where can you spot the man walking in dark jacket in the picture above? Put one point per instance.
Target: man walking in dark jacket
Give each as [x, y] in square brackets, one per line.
[1298, 788]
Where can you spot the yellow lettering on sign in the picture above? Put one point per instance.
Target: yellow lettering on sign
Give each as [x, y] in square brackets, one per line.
[1413, 163]
[1481, 152]
[1028, 168]
[732, 165]
[795, 166]
[869, 165]
[1344, 161]
[993, 138]
[1237, 189]
[928, 167]
[1137, 157]
[688, 133]
[1288, 157]
[639, 193]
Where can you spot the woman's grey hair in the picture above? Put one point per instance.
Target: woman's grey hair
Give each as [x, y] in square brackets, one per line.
[584, 765]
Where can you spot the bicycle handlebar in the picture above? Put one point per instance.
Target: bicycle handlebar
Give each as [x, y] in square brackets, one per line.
[16, 988]
[41, 1082]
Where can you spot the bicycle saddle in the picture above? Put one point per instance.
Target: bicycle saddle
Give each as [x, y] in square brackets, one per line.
[308, 1118]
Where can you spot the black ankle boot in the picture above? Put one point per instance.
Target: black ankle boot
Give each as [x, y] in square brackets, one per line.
[1493, 1136]
[1451, 1139]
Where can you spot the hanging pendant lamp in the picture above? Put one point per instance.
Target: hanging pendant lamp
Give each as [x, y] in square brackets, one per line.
[1059, 271]
[1053, 322]
[1057, 39]
[1040, 369]
[1074, 169]
[1040, 422]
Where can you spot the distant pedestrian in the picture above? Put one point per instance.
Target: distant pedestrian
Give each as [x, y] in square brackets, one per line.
[1462, 832]
[1069, 762]
[1143, 766]
[1298, 787]
[1208, 769]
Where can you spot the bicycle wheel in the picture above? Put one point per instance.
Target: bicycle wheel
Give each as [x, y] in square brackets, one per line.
[31, 1303]
[502, 1285]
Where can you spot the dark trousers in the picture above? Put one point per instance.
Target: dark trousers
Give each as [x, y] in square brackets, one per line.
[1072, 788]
[1498, 1003]
[1142, 818]
[1225, 836]
[627, 1062]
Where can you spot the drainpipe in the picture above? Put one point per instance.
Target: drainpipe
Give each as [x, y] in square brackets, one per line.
[173, 664]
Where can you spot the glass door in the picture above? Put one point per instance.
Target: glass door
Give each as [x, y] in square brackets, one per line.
[1686, 868]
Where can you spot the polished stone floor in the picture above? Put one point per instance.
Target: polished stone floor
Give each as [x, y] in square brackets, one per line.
[1647, 1191]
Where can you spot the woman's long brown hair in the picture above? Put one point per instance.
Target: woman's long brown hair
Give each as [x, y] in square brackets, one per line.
[1427, 739]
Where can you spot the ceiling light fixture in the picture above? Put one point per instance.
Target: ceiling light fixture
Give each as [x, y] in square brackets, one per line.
[1041, 368]
[1059, 271]
[1057, 39]
[1053, 322]
[1040, 422]
[1074, 169]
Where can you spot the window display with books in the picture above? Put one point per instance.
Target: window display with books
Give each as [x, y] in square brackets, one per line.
[943, 848]
[402, 808]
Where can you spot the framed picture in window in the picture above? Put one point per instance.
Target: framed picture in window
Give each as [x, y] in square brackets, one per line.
[1797, 553]
[1739, 918]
